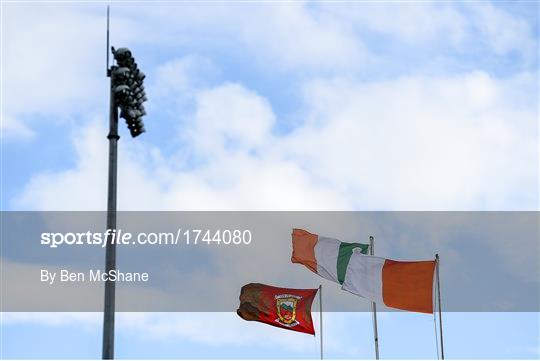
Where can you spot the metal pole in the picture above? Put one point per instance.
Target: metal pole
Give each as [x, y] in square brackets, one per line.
[439, 297]
[110, 251]
[374, 308]
[107, 50]
[436, 335]
[320, 315]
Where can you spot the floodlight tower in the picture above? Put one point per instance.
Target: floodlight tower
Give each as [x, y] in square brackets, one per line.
[127, 94]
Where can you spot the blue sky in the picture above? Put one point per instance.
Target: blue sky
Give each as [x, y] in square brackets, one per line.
[346, 335]
[277, 106]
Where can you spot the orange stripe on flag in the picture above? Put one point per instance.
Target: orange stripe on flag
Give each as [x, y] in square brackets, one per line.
[303, 252]
[408, 285]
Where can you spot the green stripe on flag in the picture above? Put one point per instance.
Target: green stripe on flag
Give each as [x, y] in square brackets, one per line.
[344, 255]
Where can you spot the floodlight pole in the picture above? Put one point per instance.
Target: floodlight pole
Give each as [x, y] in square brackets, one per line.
[128, 96]
[110, 250]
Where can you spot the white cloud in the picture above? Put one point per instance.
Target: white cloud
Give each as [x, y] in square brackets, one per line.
[503, 32]
[80, 188]
[52, 58]
[415, 143]
[293, 35]
[301, 37]
[461, 27]
[11, 128]
[413, 23]
[182, 76]
[230, 117]
[230, 123]
[422, 142]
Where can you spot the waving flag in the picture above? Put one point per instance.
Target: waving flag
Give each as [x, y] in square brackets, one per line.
[397, 284]
[328, 257]
[287, 308]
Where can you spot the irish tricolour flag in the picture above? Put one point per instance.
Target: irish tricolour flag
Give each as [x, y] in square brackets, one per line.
[397, 284]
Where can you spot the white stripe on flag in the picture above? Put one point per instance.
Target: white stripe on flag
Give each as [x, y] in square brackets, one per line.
[364, 276]
[326, 254]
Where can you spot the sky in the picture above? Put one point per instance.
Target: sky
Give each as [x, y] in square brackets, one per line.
[275, 106]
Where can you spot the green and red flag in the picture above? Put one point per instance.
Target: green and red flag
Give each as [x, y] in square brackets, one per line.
[287, 308]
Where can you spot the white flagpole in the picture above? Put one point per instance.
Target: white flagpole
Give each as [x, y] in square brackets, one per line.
[374, 309]
[320, 318]
[439, 298]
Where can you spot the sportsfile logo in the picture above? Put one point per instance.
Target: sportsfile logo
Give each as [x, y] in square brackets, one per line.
[53, 240]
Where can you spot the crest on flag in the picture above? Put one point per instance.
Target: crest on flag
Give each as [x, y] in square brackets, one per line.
[286, 309]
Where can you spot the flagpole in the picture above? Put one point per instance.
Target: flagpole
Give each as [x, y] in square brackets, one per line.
[374, 309]
[320, 316]
[439, 298]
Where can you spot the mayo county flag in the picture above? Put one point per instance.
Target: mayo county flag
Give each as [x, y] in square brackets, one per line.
[403, 285]
[287, 308]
